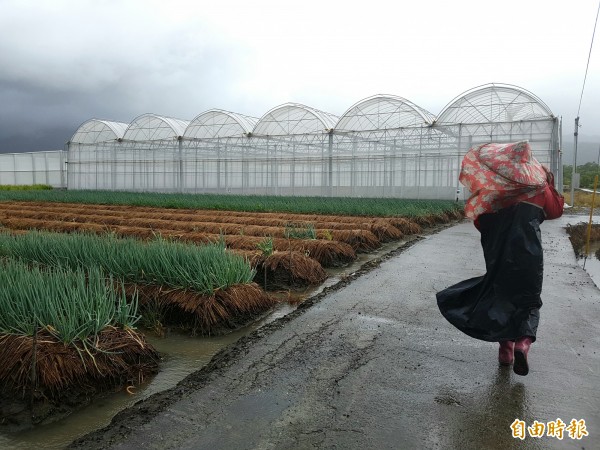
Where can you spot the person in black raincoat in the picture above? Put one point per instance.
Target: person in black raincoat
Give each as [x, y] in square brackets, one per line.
[512, 194]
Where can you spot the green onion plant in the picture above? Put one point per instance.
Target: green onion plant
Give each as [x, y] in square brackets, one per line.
[70, 304]
[201, 268]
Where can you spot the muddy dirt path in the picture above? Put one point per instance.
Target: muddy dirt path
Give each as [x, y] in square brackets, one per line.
[374, 365]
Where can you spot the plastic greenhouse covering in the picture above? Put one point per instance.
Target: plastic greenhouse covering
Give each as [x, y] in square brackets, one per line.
[34, 168]
[382, 146]
[95, 130]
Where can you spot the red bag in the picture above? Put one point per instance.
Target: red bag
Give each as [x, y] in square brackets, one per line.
[555, 203]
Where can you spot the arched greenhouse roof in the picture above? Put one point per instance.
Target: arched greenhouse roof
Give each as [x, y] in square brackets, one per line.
[98, 130]
[150, 127]
[494, 102]
[379, 112]
[294, 118]
[219, 123]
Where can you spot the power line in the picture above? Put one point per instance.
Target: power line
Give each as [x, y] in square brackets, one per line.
[574, 168]
[588, 61]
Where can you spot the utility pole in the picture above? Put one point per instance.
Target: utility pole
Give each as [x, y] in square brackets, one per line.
[574, 162]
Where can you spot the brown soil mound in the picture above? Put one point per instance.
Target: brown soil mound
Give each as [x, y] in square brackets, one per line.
[360, 240]
[70, 373]
[327, 253]
[19, 223]
[442, 218]
[386, 231]
[292, 269]
[218, 216]
[285, 269]
[224, 310]
[427, 220]
[406, 226]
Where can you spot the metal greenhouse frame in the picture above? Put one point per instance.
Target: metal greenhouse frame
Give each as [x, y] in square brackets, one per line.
[382, 146]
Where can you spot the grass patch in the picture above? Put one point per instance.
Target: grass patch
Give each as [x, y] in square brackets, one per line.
[25, 187]
[582, 199]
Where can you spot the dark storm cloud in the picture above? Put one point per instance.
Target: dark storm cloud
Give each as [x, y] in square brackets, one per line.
[59, 68]
[63, 62]
[42, 116]
[35, 120]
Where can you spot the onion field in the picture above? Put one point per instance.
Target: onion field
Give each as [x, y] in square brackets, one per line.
[79, 263]
[374, 207]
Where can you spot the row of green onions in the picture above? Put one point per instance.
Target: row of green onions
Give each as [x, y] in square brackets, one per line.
[25, 187]
[70, 304]
[381, 207]
[202, 269]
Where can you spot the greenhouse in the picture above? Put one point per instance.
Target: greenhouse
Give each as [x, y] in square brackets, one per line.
[382, 146]
[47, 168]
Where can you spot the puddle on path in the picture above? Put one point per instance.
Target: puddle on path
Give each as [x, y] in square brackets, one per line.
[592, 264]
[575, 225]
[182, 355]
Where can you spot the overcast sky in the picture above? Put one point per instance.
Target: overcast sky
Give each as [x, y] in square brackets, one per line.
[64, 62]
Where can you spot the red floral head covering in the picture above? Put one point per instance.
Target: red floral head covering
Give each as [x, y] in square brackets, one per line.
[499, 175]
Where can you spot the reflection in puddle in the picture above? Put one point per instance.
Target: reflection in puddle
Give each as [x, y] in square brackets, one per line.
[578, 235]
[592, 264]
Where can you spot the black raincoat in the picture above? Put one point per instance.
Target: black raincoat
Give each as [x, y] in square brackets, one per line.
[503, 304]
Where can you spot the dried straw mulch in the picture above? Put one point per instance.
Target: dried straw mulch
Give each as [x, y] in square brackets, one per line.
[223, 310]
[113, 359]
[381, 227]
[360, 240]
[291, 269]
[327, 253]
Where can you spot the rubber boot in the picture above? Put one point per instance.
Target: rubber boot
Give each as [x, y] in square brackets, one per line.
[506, 353]
[521, 366]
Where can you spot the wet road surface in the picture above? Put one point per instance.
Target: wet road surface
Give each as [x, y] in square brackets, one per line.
[374, 365]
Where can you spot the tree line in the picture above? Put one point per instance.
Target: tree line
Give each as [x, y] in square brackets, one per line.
[587, 173]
